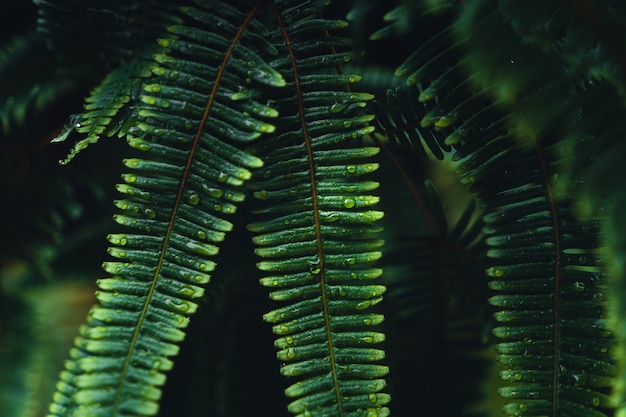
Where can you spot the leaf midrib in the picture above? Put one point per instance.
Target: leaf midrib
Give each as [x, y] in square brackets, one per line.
[316, 215]
[557, 273]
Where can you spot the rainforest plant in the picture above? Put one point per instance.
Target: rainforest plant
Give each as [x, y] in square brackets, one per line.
[428, 191]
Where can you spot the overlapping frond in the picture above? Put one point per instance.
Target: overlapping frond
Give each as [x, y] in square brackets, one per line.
[315, 227]
[123, 36]
[421, 111]
[190, 125]
[398, 116]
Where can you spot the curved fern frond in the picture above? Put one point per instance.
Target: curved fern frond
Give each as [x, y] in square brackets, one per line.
[548, 270]
[176, 201]
[550, 285]
[315, 229]
[110, 106]
[109, 109]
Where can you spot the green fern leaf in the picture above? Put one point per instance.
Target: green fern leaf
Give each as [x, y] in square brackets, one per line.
[175, 201]
[108, 110]
[316, 232]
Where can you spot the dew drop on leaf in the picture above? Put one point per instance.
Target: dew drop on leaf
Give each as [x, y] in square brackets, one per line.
[315, 266]
[371, 412]
[349, 202]
[194, 198]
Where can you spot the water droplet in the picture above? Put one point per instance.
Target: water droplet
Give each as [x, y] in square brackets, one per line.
[517, 376]
[595, 401]
[155, 367]
[214, 192]
[315, 266]
[194, 198]
[349, 202]
[371, 412]
[222, 177]
[373, 398]
[579, 286]
[201, 234]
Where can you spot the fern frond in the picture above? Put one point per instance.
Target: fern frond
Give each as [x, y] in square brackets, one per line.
[109, 110]
[176, 201]
[549, 279]
[315, 230]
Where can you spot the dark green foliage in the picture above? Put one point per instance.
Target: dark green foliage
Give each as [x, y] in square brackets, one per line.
[431, 200]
